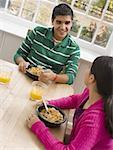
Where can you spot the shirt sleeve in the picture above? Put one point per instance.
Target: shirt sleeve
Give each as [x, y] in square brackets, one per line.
[26, 45]
[66, 102]
[85, 139]
[70, 102]
[72, 65]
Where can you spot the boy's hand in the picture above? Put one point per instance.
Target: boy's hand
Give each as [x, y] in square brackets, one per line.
[47, 75]
[23, 65]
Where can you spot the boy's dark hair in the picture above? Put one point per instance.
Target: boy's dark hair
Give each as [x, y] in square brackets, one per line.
[102, 69]
[62, 10]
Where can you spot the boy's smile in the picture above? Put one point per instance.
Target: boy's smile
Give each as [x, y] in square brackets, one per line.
[62, 26]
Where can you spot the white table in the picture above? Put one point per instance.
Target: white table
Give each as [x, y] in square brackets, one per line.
[15, 107]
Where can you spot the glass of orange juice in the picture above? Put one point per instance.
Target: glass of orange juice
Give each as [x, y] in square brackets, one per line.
[38, 90]
[5, 74]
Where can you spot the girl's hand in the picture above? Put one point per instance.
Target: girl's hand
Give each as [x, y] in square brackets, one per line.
[31, 120]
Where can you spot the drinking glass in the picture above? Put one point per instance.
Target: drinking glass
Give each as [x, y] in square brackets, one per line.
[5, 74]
[38, 90]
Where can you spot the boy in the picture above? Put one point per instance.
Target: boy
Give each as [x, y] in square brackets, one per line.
[52, 48]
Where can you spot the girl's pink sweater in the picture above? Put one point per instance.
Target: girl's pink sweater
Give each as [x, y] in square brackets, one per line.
[89, 133]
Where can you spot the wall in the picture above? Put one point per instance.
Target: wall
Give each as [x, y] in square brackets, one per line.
[83, 66]
[8, 45]
[1, 39]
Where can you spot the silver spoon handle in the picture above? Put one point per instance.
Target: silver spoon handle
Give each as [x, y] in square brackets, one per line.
[45, 104]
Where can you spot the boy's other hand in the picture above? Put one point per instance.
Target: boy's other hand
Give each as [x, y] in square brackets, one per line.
[47, 75]
[23, 65]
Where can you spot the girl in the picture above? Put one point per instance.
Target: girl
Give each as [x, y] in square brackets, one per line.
[93, 118]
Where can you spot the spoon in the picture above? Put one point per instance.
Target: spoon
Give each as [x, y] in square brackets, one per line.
[45, 104]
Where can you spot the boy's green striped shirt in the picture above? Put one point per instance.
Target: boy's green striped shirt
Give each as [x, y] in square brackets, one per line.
[39, 49]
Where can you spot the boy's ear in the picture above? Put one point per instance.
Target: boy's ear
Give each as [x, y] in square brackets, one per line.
[52, 20]
[91, 78]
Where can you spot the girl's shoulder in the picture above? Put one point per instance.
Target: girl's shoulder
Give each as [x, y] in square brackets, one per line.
[93, 116]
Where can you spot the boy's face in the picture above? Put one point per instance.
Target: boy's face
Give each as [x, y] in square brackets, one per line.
[62, 26]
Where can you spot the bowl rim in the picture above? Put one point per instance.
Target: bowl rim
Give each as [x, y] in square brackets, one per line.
[57, 108]
[33, 76]
[29, 74]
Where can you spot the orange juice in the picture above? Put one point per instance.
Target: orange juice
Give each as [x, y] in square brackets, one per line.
[5, 79]
[36, 94]
[5, 74]
[38, 90]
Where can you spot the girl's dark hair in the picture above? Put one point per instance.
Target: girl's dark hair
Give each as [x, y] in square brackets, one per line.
[62, 10]
[102, 69]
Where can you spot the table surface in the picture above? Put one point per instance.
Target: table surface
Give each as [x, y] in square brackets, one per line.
[15, 107]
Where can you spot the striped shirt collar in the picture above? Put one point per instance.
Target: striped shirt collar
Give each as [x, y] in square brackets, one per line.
[49, 35]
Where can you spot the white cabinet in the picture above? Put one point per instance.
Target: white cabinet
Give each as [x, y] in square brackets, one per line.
[1, 39]
[9, 43]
